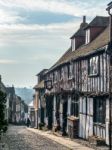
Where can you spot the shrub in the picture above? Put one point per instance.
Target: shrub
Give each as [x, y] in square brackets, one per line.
[3, 122]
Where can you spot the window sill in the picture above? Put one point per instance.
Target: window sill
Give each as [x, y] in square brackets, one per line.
[93, 75]
[55, 82]
[70, 78]
[100, 124]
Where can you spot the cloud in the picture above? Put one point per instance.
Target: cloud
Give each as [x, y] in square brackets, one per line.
[42, 5]
[74, 8]
[7, 61]
[28, 46]
[49, 27]
[8, 17]
[35, 32]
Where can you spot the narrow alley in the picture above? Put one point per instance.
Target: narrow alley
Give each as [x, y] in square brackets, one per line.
[19, 138]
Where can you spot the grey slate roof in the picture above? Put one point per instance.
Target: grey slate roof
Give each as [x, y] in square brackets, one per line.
[100, 41]
[42, 72]
[99, 21]
[80, 32]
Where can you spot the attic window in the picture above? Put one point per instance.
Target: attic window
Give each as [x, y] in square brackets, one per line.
[87, 36]
[73, 44]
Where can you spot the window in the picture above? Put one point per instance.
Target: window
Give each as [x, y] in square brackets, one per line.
[87, 36]
[99, 110]
[94, 65]
[59, 73]
[48, 84]
[53, 77]
[75, 106]
[70, 71]
[73, 44]
[56, 76]
[62, 73]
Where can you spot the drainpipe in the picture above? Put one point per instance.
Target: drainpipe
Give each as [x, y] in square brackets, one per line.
[109, 51]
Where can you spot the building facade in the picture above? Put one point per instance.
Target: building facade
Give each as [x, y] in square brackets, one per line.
[39, 100]
[80, 82]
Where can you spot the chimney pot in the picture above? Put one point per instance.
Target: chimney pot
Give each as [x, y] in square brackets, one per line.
[84, 19]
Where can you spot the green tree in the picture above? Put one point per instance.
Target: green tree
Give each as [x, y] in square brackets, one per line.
[3, 122]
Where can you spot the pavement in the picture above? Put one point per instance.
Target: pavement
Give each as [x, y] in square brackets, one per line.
[71, 145]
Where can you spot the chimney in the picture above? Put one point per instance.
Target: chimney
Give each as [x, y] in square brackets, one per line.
[84, 19]
[83, 24]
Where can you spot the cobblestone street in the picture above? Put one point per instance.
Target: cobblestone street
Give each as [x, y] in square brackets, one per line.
[19, 138]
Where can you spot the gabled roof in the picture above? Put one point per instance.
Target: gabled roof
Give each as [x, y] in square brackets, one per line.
[99, 42]
[42, 72]
[66, 54]
[98, 21]
[79, 33]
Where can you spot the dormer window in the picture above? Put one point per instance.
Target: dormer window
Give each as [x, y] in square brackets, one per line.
[87, 36]
[73, 44]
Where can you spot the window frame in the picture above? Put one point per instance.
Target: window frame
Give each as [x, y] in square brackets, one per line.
[70, 71]
[99, 115]
[97, 66]
[73, 44]
[75, 106]
[87, 36]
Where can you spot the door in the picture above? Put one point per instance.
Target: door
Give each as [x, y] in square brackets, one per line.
[86, 117]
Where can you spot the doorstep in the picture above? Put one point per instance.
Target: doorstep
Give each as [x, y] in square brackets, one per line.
[57, 134]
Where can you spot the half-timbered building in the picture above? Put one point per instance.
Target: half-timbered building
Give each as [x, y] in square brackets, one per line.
[80, 83]
[39, 100]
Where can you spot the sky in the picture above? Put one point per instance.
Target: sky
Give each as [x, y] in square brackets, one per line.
[35, 33]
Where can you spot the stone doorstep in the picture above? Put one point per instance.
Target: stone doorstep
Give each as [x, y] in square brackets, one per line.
[57, 134]
[95, 140]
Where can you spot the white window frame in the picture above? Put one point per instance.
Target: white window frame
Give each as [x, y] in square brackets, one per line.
[87, 36]
[94, 66]
[73, 44]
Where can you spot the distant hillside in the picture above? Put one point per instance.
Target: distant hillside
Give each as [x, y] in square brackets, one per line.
[25, 93]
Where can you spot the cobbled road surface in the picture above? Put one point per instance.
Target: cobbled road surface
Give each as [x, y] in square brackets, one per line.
[19, 138]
